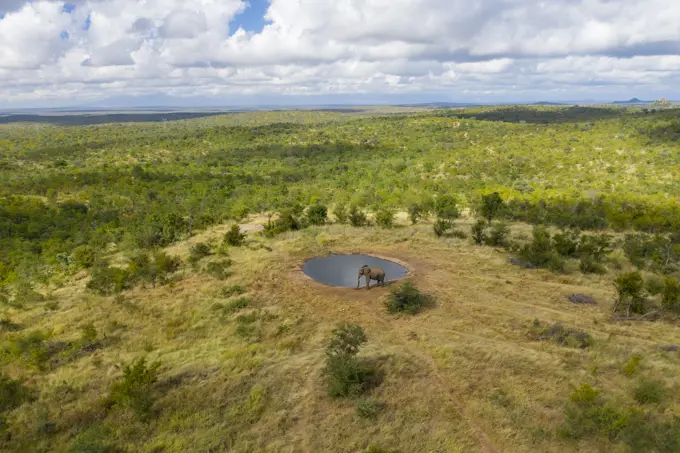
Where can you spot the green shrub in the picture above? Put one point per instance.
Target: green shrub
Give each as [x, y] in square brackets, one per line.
[415, 213]
[654, 285]
[341, 214]
[346, 340]
[346, 376]
[446, 207]
[441, 227]
[367, 407]
[317, 214]
[491, 206]
[106, 281]
[566, 243]
[384, 218]
[88, 335]
[95, 439]
[31, 348]
[632, 366]
[540, 252]
[459, 234]
[232, 290]
[498, 235]
[234, 236]
[406, 299]
[644, 433]
[84, 256]
[649, 391]
[629, 289]
[12, 394]
[596, 247]
[198, 251]
[356, 217]
[671, 294]
[589, 414]
[237, 304]
[478, 231]
[589, 265]
[219, 269]
[135, 390]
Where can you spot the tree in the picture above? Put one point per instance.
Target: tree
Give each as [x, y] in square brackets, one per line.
[629, 288]
[491, 206]
[446, 207]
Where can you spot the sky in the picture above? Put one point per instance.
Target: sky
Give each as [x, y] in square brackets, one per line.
[288, 52]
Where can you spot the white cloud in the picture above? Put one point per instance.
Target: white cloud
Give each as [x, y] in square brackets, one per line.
[452, 47]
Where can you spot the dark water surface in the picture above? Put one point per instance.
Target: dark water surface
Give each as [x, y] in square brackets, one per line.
[342, 270]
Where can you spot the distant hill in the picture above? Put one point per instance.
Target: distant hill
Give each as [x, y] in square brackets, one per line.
[632, 101]
[102, 118]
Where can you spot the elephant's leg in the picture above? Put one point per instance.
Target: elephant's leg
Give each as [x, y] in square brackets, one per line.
[368, 282]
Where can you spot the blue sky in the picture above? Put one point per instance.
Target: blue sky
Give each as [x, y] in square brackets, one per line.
[219, 52]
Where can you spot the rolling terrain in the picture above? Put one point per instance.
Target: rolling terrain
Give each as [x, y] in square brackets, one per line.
[117, 244]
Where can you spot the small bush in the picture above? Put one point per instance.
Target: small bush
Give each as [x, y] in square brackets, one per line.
[84, 256]
[654, 285]
[478, 231]
[588, 414]
[135, 389]
[31, 348]
[367, 408]
[219, 269]
[384, 218]
[629, 289]
[498, 236]
[106, 281]
[441, 227]
[237, 304]
[356, 217]
[317, 214]
[671, 295]
[88, 335]
[566, 243]
[340, 213]
[198, 251]
[345, 375]
[540, 251]
[287, 221]
[649, 391]
[234, 236]
[232, 290]
[12, 394]
[415, 213]
[632, 366]
[406, 299]
[446, 207]
[491, 206]
[588, 265]
[346, 340]
[459, 234]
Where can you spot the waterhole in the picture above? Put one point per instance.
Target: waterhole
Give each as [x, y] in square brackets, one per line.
[342, 270]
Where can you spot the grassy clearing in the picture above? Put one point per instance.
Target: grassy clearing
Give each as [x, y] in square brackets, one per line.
[463, 375]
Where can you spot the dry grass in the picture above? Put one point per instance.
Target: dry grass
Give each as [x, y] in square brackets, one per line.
[462, 376]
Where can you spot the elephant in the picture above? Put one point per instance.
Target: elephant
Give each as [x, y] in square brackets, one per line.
[371, 274]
